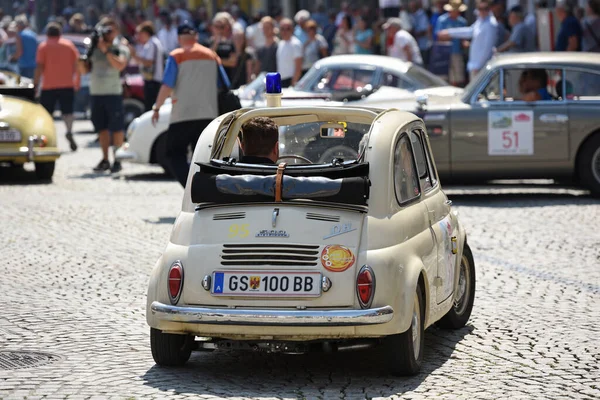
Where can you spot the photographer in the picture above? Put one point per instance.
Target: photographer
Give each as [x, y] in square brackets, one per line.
[107, 57]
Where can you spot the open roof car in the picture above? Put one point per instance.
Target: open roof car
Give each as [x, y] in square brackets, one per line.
[352, 242]
[27, 131]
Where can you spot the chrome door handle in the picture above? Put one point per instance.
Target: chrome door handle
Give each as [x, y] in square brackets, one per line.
[550, 118]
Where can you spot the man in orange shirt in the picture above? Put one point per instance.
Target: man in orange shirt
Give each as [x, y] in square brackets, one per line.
[57, 60]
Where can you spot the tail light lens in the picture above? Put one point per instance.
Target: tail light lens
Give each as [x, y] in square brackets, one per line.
[175, 281]
[365, 286]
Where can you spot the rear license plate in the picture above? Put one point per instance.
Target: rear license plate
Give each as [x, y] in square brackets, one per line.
[266, 283]
[10, 135]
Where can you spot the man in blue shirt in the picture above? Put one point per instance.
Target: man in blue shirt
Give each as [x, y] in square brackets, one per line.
[421, 29]
[569, 34]
[453, 19]
[26, 47]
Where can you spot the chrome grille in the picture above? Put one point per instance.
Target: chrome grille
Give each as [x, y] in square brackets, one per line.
[231, 215]
[270, 254]
[323, 217]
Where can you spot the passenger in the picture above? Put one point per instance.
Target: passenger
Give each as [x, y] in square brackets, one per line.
[260, 141]
[532, 85]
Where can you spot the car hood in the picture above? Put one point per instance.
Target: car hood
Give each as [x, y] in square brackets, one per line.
[401, 99]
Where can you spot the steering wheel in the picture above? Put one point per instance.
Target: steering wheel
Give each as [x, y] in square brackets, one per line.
[295, 157]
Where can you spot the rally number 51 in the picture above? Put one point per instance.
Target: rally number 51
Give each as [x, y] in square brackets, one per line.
[510, 140]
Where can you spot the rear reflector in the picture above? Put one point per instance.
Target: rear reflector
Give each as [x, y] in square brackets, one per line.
[365, 286]
[175, 281]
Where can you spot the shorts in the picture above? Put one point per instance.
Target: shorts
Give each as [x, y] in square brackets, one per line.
[107, 112]
[64, 97]
[456, 74]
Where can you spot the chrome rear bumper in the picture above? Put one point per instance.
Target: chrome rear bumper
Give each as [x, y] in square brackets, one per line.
[30, 150]
[203, 315]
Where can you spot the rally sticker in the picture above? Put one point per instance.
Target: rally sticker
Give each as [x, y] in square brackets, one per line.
[336, 258]
[510, 133]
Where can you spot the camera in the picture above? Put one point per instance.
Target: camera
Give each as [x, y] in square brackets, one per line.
[97, 33]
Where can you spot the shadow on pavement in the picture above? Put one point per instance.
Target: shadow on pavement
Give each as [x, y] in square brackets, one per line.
[161, 220]
[147, 176]
[19, 176]
[249, 374]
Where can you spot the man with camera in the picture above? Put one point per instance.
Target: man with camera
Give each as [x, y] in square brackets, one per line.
[105, 60]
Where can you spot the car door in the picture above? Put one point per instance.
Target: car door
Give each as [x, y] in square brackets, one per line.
[442, 223]
[499, 135]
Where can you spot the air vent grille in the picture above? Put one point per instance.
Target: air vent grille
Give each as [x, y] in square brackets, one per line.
[231, 215]
[323, 217]
[270, 255]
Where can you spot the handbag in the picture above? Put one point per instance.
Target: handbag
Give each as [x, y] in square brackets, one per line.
[227, 100]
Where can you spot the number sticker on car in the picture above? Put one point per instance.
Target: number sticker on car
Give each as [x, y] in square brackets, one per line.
[266, 283]
[510, 133]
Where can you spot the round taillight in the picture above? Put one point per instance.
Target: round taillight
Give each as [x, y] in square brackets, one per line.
[175, 281]
[365, 286]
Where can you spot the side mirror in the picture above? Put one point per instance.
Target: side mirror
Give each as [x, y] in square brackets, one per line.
[422, 101]
[333, 130]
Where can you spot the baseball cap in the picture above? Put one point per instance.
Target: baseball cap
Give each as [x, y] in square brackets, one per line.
[186, 29]
[397, 22]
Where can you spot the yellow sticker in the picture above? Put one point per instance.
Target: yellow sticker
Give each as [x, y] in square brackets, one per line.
[240, 231]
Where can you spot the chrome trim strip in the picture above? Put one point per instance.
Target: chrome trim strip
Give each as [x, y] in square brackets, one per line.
[219, 316]
[25, 151]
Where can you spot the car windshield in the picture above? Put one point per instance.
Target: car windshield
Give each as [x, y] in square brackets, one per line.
[321, 142]
[253, 89]
[426, 78]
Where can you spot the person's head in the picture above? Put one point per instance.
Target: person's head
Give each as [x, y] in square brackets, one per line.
[438, 5]
[454, 8]
[21, 21]
[515, 16]
[346, 23]
[532, 80]
[498, 8]
[186, 35]
[111, 27]
[563, 9]
[165, 18]
[361, 23]
[286, 29]
[260, 138]
[53, 30]
[12, 30]
[301, 18]
[222, 24]
[483, 8]
[311, 28]
[268, 26]
[144, 31]
[392, 26]
[413, 6]
[593, 7]
[77, 21]
[239, 39]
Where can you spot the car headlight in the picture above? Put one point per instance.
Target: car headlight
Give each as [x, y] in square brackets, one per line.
[131, 127]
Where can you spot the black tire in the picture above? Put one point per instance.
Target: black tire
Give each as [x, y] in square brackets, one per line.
[170, 350]
[132, 108]
[159, 151]
[400, 349]
[588, 164]
[461, 309]
[44, 170]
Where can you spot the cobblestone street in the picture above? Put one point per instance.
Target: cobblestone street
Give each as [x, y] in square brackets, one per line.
[75, 256]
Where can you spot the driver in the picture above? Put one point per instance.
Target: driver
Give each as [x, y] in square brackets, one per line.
[532, 85]
[260, 141]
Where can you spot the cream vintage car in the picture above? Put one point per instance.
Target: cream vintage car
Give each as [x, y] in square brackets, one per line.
[352, 247]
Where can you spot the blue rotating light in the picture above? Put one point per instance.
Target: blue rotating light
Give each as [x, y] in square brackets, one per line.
[273, 83]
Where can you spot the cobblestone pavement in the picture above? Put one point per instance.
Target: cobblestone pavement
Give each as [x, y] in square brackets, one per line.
[75, 257]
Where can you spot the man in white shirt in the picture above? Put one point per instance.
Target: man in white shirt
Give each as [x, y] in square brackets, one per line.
[483, 34]
[150, 58]
[289, 54]
[167, 35]
[404, 46]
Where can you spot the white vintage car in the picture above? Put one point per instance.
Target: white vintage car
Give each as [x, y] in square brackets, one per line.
[331, 81]
[353, 243]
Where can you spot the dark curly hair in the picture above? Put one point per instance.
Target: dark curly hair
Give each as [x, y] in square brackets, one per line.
[259, 136]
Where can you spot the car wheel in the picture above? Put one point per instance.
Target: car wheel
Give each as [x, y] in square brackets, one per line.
[404, 351]
[132, 109]
[159, 151]
[170, 350]
[588, 165]
[460, 312]
[44, 170]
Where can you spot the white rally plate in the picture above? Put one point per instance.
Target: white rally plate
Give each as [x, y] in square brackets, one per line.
[10, 135]
[266, 283]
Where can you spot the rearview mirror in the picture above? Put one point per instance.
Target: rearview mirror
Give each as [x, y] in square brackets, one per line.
[334, 130]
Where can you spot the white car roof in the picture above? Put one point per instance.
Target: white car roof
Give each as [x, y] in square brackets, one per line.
[368, 59]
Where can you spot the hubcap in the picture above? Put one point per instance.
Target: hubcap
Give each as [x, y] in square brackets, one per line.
[416, 328]
[596, 165]
[464, 281]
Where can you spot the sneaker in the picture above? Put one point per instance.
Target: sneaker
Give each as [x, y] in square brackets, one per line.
[71, 141]
[104, 165]
[116, 167]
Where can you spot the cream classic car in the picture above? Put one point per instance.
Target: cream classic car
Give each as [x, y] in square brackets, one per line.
[355, 246]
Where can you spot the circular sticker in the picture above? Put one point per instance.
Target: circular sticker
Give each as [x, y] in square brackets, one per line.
[337, 258]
